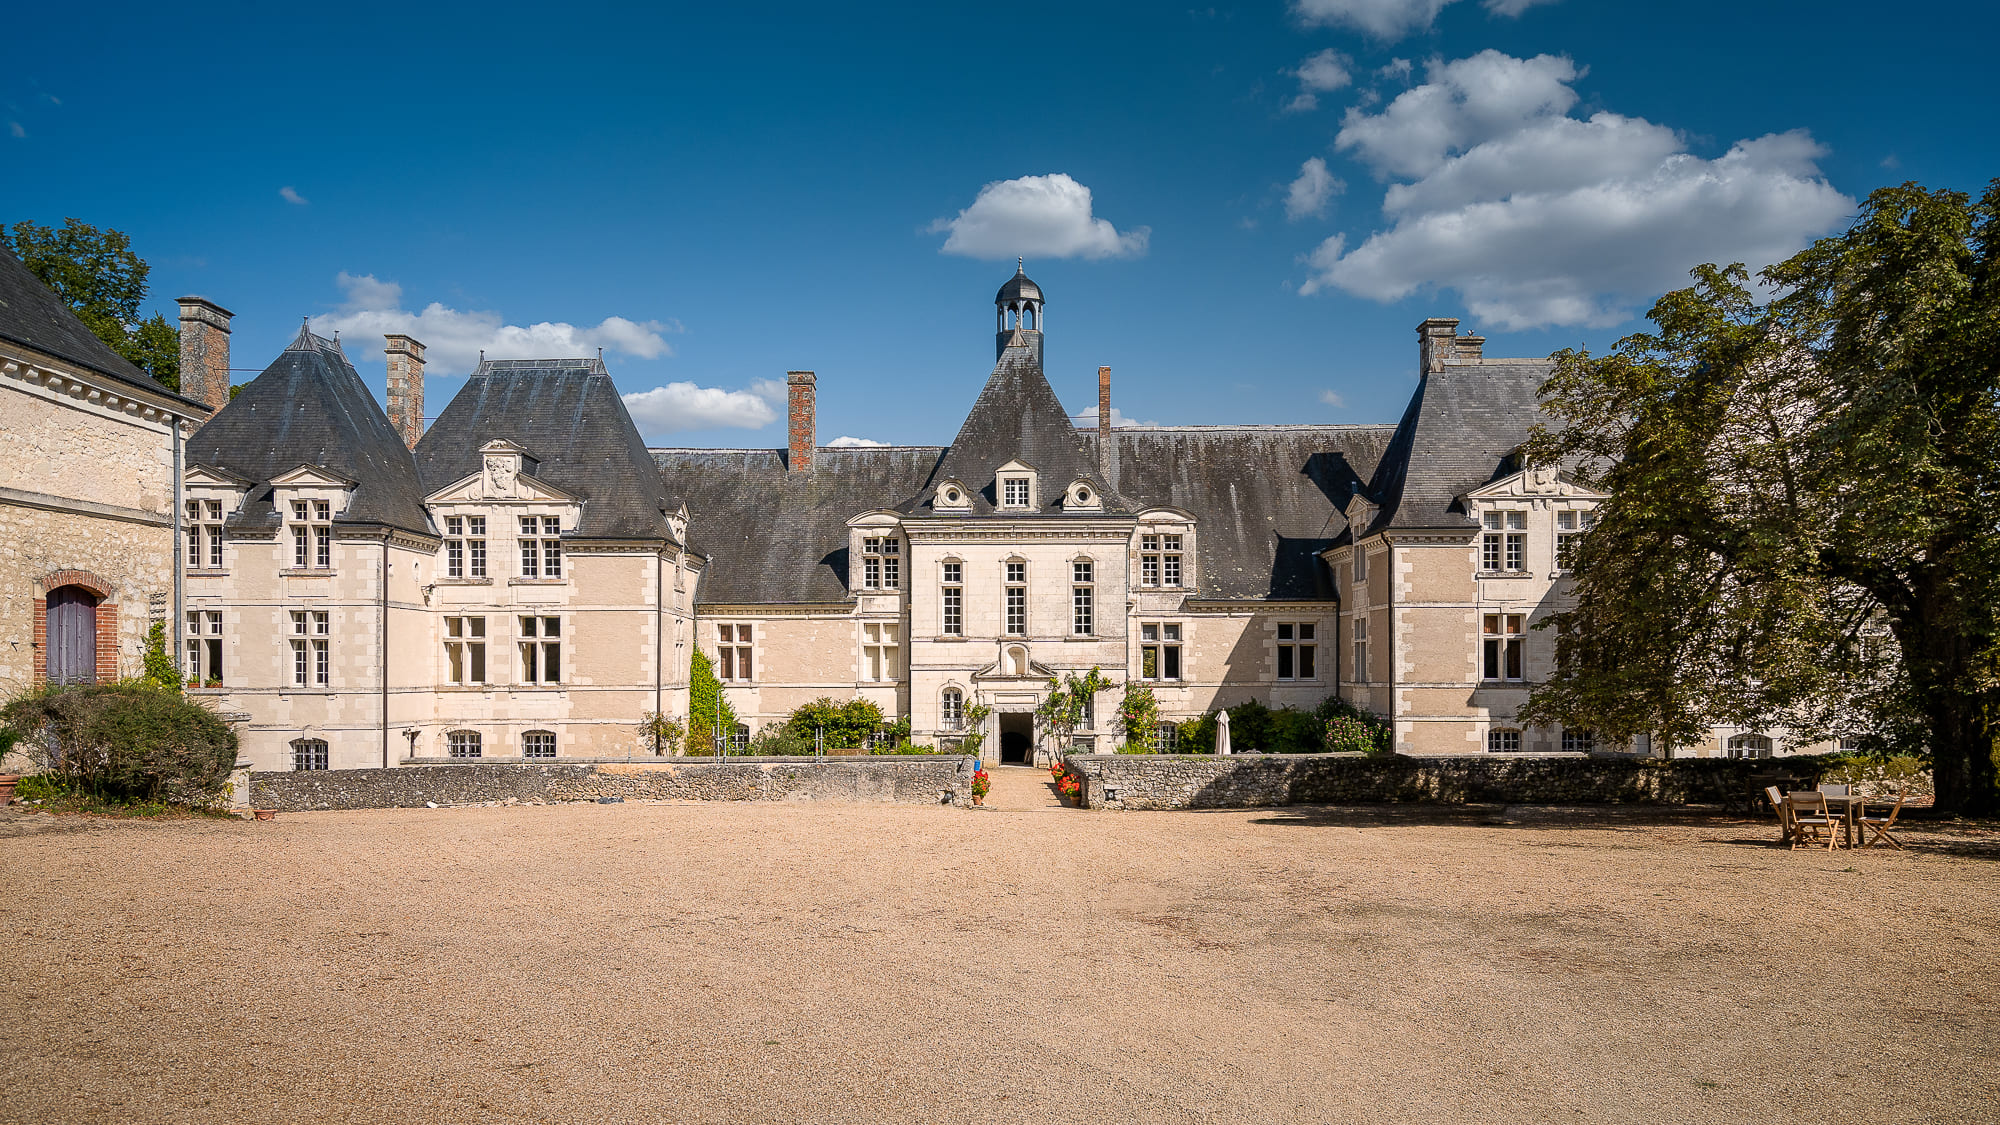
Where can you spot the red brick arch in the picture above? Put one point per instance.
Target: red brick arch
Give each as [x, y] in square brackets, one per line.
[89, 580]
[107, 619]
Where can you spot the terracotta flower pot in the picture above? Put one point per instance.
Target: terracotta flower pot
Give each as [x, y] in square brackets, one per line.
[267, 814]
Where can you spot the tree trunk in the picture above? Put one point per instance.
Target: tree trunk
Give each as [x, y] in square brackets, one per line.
[1964, 721]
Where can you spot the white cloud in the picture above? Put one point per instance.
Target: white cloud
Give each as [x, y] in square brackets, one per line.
[685, 406]
[290, 194]
[1040, 217]
[1332, 398]
[453, 339]
[1309, 193]
[845, 442]
[1538, 218]
[1088, 419]
[1327, 70]
[1395, 70]
[1391, 19]
[15, 128]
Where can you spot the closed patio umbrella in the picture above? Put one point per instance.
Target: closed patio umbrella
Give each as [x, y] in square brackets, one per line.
[1222, 733]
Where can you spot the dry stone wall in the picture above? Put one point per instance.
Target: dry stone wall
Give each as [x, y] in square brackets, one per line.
[910, 780]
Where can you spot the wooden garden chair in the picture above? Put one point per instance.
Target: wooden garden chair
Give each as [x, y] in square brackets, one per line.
[1811, 816]
[1833, 790]
[1784, 810]
[1878, 827]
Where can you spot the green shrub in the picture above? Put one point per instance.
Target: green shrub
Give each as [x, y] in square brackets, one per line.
[780, 740]
[708, 708]
[846, 726]
[1347, 729]
[1138, 716]
[1879, 776]
[126, 741]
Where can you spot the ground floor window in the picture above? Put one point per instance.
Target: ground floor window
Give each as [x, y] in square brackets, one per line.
[1579, 741]
[309, 754]
[537, 744]
[1166, 738]
[952, 711]
[1503, 741]
[462, 744]
[1749, 746]
[204, 647]
[739, 739]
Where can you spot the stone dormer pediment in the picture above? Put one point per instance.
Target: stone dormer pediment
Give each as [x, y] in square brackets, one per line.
[1360, 513]
[488, 485]
[1538, 482]
[310, 476]
[208, 476]
[1014, 474]
[879, 518]
[1014, 664]
[677, 522]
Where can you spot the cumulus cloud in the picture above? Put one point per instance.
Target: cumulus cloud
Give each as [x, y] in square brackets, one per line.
[1308, 194]
[1332, 398]
[1041, 217]
[290, 194]
[453, 339]
[1391, 19]
[845, 442]
[686, 406]
[1327, 70]
[1088, 419]
[1539, 218]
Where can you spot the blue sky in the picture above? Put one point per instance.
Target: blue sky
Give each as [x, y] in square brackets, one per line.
[1243, 209]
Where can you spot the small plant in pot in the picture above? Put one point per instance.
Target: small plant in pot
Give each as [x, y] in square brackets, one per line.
[981, 785]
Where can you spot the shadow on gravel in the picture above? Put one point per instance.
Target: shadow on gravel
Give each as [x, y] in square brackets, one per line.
[1489, 816]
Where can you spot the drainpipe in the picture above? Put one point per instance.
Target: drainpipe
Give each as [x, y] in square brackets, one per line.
[382, 635]
[178, 558]
[659, 640]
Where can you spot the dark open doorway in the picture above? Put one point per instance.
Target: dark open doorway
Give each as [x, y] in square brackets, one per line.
[1017, 737]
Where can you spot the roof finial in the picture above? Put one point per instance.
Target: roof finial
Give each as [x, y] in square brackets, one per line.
[1021, 265]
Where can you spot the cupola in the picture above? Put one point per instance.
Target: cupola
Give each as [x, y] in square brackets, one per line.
[1018, 307]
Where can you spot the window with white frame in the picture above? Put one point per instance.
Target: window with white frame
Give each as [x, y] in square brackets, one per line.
[541, 549]
[1083, 594]
[1504, 545]
[1017, 599]
[1503, 642]
[1166, 738]
[739, 738]
[465, 547]
[879, 647]
[312, 657]
[1749, 746]
[951, 710]
[1360, 563]
[1014, 492]
[1160, 650]
[541, 650]
[465, 650]
[1579, 741]
[1360, 629]
[733, 660]
[881, 562]
[204, 534]
[1569, 525]
[1160, 560]
[1298, 651]
[538, 744]
[952, 602]
[309, 754]
[312, 535]
[1088, 721]
[1503, 740]
[462, 744]
[204, 645]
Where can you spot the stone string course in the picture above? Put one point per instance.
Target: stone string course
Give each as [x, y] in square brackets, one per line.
[1188, 781]
[885, 780]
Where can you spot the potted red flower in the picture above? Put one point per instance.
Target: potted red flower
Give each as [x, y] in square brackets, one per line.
[981, 785]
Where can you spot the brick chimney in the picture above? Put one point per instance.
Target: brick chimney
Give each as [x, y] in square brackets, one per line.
[406, 387]
[1437, 343]
[205, 352]
[1103, 426]
[800, 387]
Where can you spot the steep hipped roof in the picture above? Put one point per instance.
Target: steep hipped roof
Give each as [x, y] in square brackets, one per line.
[567, 414]
[1017, 417]
[774, 537]
[33, 316]
[311, 408]
[1461, 425]
[1266, 499]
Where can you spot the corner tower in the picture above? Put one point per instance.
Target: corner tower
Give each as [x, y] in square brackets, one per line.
[1019, 305]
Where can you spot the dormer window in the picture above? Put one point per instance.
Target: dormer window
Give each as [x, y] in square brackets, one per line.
[312, 535]
[1083, 496]
[881, 562]
[951, 495]
[1014, 492]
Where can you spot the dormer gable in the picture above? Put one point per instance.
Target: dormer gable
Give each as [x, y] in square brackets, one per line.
[951, 495]
[1360, 513]
[1538, 482]
[1083, 496]
[505, 474]
[1016, 488]
[310, 476]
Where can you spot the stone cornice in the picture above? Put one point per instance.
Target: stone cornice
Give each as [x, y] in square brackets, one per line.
[1091, 531]
[98, 390]
[821, 609]
[46, 502]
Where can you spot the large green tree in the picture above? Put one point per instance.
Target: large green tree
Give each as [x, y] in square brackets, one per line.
[98, 276]
[1804, 523]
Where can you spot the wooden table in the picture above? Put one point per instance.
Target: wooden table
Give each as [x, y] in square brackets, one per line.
[1852, 807]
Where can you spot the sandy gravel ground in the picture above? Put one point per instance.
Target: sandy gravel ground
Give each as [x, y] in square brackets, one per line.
[758, 963]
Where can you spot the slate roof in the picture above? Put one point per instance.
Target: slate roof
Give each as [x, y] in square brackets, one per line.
[774, 537]
[1018, 287]
[1016, 417]
[1458, 433]
[309, 407]
[567, 414]
[1266, 499]
[32, 315]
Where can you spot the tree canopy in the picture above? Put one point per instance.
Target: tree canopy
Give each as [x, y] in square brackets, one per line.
[1804, 524]
[98, 276]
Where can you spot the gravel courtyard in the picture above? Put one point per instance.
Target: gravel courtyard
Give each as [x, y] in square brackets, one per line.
[762, 963]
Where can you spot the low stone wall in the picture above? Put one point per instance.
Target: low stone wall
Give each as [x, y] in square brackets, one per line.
[1199, 781]
[902, 780]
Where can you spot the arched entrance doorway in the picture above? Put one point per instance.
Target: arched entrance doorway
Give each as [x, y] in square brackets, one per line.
[72, 635]
[1017, 737]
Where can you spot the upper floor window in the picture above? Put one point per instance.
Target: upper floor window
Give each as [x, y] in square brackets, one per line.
[1160, 650]
[308, 754]
[465, 650]
[1017, 599]
[1360, 563]
[204, 534]
[953, 601]
[1360, 625]
[1503, 641]
[1082, 598]
[465, 547]
[1297, 651]
[1160, 560]
[881, 562]
[538, 744]
[879, 646]
[312, 656]
[312, 535]
[541, 650]
[951, 709]
[1569, 525]
[1504, 546]
[733, 659]
[541, 550]
[1014, 492]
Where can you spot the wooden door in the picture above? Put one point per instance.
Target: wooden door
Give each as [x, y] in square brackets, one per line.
[72, 635]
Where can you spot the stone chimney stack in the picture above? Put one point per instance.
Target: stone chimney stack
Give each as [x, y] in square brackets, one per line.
[406, 387]
[1437, 344]
[1104, 426]
[800, 387]
[1470, 347]
[205, 352]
